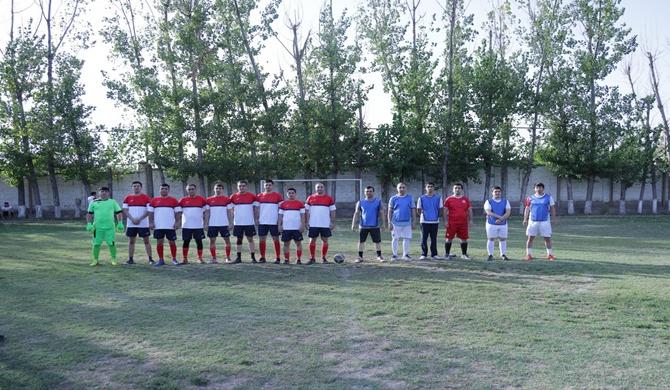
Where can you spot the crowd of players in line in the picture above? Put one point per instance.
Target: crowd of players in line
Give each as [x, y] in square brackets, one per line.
[245, 215]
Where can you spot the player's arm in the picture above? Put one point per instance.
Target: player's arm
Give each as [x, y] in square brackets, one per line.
[552, 210]
[388, 218]
[526, 214]
[445, 217]
[280, 221]
[177, 218]
[413, 217]
[381, 218]
[303, 222]
[470, 215]
[418, 208]
[257, 212]
[306, 215]
[151, 219]
[205, 217]
[355, 217]
[332, 219]
[508, 213]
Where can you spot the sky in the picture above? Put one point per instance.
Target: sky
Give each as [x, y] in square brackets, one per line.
[647, 18]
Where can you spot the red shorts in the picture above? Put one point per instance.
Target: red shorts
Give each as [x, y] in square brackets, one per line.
[457, 229]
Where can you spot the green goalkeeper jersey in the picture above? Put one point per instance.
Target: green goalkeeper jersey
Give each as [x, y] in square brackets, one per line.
[104, 213]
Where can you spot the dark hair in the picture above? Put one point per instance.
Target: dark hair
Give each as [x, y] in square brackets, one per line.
[93, 193]
[242, 182]
[218, 184]
[165, 185]
[496, 188]
[291, 189]
[459, 185]
[370, 188]
[430, 183]
[269, 181]
[136, 182]
[191, 184]
[103, 189]
[539, 184]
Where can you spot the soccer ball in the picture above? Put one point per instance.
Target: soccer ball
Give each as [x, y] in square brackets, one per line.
[339, 258]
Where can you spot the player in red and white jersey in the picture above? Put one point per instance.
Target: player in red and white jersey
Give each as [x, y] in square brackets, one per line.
[320, 216]
[268, 212]
[457, 220]
[137, 221]
[194, 207]
[163, 212]
[218, 220]
[245, 218]
[291, 224]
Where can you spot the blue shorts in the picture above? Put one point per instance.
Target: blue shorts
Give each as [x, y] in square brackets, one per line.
[240, 231]
[138, 231]
[264, 229]
[214, 231]
[187, 234]
[319, 231]
[288, 235]
[170, 234]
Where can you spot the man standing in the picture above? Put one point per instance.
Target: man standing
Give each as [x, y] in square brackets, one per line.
[101, 218]
[268, 212]
[429, 208]
[163, 211]
[371, 216]
[498, 211]
[291, 225]
[137, 221]
[457, 220]
[539, 206]
[245, 217]
[218, 220]
[320, 214]
[401, 221]
[194, 208]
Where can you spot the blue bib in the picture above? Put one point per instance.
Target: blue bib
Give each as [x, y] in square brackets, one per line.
[498, 207]
[539, 207]
[430, 205]
[402, 209]
[370, 212]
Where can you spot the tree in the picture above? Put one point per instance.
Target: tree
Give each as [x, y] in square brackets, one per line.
[659, 103]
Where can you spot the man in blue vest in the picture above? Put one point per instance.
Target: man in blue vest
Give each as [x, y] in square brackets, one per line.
[539, 216]
[429, 209]
[400, 218]
[371, 212]
[498, 211]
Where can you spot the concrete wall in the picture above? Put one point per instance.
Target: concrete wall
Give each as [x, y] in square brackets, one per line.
[346, 191]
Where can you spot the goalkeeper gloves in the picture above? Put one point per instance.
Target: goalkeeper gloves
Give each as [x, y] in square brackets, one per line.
[119, 226]
[89, 227]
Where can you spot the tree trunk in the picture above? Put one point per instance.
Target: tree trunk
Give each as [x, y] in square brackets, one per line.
[110, 182]
[53, 180]
[588, 204]
[450, 95]
[487, 179]
[504, 177]
[622, 200]
[611, 194]
[640, 199]
[149, 179]
[571, 198]
[664, 189]
[533, 133]
[77, 208]
[654, 190]
[21, 189]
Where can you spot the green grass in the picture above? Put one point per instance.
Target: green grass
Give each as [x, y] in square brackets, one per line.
[599, 317]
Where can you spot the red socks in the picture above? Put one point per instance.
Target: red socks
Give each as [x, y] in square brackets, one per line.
[298, 253]
[277, 249]
[228, 251]
[200, 254]
[261, 246]
[287, 255]
[324, 249]
[212, 251]
[312, 249]
[159, 250]
[173, 249]
[184, 251]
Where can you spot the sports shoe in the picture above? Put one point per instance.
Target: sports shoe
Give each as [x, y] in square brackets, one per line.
[504, 257]
[254, 261]
[394, 257]
[236, 261]
[311, 261]
[185, 262]
[325, 261]
[297, 262]
[94, 263]
[160, 262]
[261, 260]
[381, 259]
[436, 257]
[175, 262]
[130, 262]
[286, 261]
[201, 261]
[277, 261]
[113, 261]
[358, 260]
[152, 262]
[449, 256]
[551, 257]
[213, 261]
[528, 258]
[407, 258]
[490, 258]
[465, 257]
[423, 257]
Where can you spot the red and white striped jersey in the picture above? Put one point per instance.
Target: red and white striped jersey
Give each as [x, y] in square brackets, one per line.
[137, 206]
[319, 207]
[218, 210]
[243, 208]
[164, 210]
[193, 209]
[268, 207]
[291, 211]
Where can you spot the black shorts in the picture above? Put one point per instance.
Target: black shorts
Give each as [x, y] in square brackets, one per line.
[187, 234]
[319, 231]
[288, 235]
[170, 234]
[375, 233]
[138, 231]
[214, 231]
[264, 229]
[240, 231]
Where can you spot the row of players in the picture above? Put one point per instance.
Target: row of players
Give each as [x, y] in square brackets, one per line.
[273, 215]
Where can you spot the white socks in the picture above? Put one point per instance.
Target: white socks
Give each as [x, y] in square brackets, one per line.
[503, 247]
[490, 246]
[405, 247]
[394, 246]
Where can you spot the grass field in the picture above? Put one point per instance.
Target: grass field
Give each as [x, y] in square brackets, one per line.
[599, 317]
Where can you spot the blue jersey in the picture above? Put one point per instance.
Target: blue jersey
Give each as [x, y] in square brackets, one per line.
[497, 207]
[539, 207]
[369, 212]
[402, 209]
[430, 207]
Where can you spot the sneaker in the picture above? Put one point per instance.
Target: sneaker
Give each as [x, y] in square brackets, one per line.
[113, 261]
[423, 257]
[490, 258]
[261, 260]
[185, 262]
[381, 259]
[325, 261]
[394, 257]
[449, 256]
[130, 262]
[278, 261]
[288, 261]
[175, 262]
[227, 260]
[465, 257]
[436, 257]
[528, 258]
[213, 261]
[236, 261]
[551, 257]
[94, 263]
[160, 262]
[358, 260]
[504, 257]
[407, 258]
[311, 261]
[254, 261]
[297, 261]
[152, 262]
[201, 261]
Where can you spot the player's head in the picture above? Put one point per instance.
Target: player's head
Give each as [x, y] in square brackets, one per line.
[94, 194]
[242, 186]
[496, 191]
[136, 186]
[430, 187]
[401, 188]
[539, 188]
[218, 189]
[165, 189]
[320, 188]
[369, 192]
[191, 189]
[291, 193]
[268, 185]
[104, 193]
[457, 189]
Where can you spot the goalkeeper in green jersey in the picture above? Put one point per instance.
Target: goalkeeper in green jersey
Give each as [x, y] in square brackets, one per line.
[104, 217]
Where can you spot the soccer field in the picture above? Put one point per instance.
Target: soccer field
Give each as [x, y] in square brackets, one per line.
[599, 317]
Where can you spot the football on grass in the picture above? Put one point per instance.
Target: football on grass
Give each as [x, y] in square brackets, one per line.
[339, 258]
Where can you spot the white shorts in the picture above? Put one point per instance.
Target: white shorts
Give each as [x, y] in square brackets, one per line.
[542, 228]
[402, 232]
[496, 231]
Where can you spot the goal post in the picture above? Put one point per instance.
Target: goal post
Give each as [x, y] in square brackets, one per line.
[359, 181]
